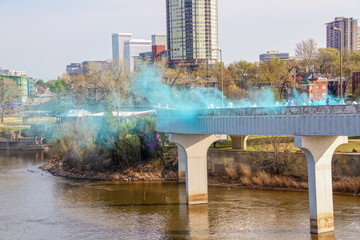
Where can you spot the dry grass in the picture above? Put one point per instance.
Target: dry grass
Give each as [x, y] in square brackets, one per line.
[261, 178]
[240, 170]
[347, 185]
[244, 169]
[232, 173]
[246, 181]
[243, 174]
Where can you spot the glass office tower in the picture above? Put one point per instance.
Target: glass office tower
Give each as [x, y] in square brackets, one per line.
[192, 31]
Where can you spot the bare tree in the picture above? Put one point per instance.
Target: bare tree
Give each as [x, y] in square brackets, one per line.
[9, 92]
[306, 52]
[115, 85]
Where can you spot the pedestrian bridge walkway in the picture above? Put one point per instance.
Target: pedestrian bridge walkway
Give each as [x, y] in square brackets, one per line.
[337, 120]
[318, 131]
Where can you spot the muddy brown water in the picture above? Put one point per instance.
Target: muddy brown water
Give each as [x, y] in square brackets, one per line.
[37, 205]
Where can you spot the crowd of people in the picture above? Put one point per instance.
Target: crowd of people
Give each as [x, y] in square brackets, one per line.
[310, 102]
[291, 103]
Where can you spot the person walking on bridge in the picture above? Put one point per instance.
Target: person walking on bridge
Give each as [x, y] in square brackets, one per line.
[328, 101]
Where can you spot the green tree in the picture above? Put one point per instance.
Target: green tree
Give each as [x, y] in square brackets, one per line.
[350, 63]
[277, 73]
[41, 83]
[355, 59]
[326, 59]
[59, 86]
[242, 72]
[357, 93]
[9, 92]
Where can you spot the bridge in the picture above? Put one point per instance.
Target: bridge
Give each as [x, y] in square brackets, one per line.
[318, 131]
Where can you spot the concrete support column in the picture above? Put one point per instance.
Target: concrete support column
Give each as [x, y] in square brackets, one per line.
[181, 164]
[318, 151]
[239, 141]
[196, 147]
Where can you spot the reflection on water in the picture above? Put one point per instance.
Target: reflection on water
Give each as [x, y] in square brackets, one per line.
[36, 205]
[323, 236]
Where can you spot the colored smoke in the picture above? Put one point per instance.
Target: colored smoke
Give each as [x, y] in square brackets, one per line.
[149, 85]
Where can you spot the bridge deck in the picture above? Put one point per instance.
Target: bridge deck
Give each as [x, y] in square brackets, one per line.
[336, 120]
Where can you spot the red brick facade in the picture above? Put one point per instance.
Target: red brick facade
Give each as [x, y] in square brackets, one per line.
[157, 50]
[319, 90]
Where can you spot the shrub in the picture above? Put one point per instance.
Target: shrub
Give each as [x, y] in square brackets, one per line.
[109, 144]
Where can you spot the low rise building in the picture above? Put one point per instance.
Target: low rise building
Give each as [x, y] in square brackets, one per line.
[269, 54]
[315, 87]
[26, 85]
[87, 67]
[9, 72]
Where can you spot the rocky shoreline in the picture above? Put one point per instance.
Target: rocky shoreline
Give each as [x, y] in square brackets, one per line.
[143, 173]
[148, 173]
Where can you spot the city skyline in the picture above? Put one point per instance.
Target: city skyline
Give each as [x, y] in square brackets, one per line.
[42, 37]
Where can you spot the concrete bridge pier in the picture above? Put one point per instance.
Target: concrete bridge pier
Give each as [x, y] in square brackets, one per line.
[181, 164]
[318, 151]
[195, 147]
[239, 141]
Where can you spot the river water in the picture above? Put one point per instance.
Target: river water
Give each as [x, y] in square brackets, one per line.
[37, 205]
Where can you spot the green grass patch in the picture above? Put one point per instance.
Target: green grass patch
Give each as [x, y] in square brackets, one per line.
[222, 145]
[358, 137]
[349, 146]
[344, 148]
[4, 129]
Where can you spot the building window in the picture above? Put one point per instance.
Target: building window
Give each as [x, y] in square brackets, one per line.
[323, 87]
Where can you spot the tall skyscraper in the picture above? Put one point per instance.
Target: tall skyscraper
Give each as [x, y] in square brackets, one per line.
[118, 42]
[349, 34]
[359, 38]
[192, 30]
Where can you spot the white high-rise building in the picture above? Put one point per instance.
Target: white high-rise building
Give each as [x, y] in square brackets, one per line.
[132, 49]
[118, 42]
[159, 40]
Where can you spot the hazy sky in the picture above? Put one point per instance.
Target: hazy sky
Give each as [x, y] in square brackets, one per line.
[43, 36]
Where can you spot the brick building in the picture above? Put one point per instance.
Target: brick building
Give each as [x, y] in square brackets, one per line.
[355, 81]
[159, 43]
[315, 87]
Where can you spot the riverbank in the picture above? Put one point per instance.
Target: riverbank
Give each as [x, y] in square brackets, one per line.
[141, 173]
[248, 180]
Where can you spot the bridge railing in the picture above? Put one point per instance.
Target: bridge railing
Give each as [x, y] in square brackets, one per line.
[336, 120]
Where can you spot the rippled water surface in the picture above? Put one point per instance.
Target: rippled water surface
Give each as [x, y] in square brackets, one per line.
[36, 205]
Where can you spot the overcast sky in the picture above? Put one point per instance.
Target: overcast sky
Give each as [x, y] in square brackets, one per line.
[42, 36]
